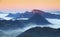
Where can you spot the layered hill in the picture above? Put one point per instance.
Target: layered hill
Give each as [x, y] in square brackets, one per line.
[41, 32]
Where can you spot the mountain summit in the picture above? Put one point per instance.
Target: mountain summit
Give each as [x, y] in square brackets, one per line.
[37, 11]
[38, 19]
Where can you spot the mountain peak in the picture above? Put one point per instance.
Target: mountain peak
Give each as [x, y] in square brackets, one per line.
[37, 11]
[38, 19]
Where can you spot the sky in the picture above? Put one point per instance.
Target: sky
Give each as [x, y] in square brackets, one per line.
[16, 5]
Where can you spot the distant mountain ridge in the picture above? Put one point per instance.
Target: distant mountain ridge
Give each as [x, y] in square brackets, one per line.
[30, 14]
[13, 15]
[47, 14]
[37, 19]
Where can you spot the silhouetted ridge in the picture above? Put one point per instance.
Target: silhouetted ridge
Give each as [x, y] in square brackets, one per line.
[14, 15]
[9, 24]
[46, 14]
[41, 32]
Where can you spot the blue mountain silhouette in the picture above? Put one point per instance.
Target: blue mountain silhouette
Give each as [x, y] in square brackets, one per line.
[38, 19]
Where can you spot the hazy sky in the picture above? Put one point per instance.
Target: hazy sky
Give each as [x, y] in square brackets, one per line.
[29, 4]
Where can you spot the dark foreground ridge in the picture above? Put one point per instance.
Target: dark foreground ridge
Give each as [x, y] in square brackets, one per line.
[41, 32]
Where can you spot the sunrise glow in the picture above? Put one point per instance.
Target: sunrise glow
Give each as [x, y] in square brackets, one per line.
[29, 4]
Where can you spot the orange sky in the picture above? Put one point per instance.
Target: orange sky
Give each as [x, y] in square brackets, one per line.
[29, 4]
